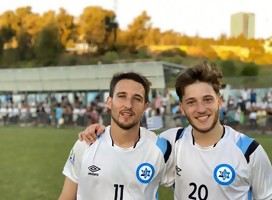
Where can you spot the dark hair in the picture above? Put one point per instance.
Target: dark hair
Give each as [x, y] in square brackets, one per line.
[201, 72]
[130, 76]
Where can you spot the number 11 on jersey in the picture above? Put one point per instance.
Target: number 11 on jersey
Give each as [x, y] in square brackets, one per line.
[119, 189]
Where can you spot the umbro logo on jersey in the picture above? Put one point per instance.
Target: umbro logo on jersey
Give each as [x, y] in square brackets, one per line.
[93, 170]
[178, 170]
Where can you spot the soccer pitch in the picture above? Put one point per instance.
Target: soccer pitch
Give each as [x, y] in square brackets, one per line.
[32, 159]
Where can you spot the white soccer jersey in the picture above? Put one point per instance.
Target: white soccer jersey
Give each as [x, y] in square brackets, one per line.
[107, 172]
[237, 168]
[172, 135]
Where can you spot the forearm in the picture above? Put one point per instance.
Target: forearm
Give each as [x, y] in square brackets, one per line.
[69, 190]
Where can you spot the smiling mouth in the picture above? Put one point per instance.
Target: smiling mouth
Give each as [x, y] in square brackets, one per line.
[202, 118]
[127, 114]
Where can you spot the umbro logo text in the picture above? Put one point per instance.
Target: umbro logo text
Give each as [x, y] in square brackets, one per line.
[178, 170]
[93, 170]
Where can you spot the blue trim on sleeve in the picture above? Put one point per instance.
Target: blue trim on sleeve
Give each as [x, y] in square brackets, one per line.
[243, 143]
[249, 194]
[165, 147]
[162, 144]
[180, 134]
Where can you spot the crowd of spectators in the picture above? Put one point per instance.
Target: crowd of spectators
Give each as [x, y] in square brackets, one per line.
[52, 113]
[243, 112]
[247, 112]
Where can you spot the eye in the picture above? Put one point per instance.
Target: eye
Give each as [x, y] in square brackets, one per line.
[208, 99]
[138, 99]
[121, 96]
[191, 102]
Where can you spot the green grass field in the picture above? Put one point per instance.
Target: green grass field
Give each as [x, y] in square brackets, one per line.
[32, 160]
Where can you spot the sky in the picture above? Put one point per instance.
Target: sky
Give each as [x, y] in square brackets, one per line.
[205, 18]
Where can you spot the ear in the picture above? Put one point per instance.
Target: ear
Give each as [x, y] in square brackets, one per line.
[146, 105]
[109, 102]
[220, 102]
[181, 108]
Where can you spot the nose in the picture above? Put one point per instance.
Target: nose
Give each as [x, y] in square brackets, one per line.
[201, 107]
[128, 102]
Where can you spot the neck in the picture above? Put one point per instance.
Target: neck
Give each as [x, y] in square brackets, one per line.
[209, 138]
[125, 138]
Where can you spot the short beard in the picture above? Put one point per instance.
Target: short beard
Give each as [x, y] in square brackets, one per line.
[215, 121]
[123, 125]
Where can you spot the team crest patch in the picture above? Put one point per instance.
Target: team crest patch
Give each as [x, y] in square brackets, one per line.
[145, 172]
[224, 174]
[72, 156]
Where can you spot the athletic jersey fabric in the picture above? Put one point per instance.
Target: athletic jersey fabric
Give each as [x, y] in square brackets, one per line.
[105, 171]
[236, 168]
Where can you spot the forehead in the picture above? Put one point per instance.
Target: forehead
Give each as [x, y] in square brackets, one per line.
[129, 86]
[198, 90]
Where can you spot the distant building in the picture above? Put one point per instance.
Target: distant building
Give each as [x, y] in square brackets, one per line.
[243, 24]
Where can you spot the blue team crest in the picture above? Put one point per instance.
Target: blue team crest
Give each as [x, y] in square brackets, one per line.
[72, 156]
[224, 174]
[145, 172]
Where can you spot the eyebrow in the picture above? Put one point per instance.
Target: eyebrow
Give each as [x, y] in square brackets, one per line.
[193, 98]
[137, 95]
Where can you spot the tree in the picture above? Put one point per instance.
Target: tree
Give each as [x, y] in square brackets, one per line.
[153, 37]
[66, 25]
[111, 27]
[250, 69]
[92, 26]
[6, 34]
[138, 30]
[25, 47]
[48, 46]
[29, 22]
[9, 19]
[228, 68]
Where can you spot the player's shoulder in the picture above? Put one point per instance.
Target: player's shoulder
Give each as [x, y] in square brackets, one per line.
[235, 136]
[175, 134]
[80, 145]
[152, 137]
[148, 134]
[246, 144]
[159, 143]
[170, 133]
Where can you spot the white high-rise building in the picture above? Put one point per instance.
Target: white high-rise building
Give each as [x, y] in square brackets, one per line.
[243, 24]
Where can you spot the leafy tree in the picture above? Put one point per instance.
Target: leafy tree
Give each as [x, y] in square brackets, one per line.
[210, 53]
[25, 47]
[9, 19]
[228, 68]
[153, 37]
[169, 38]
[143, 53]
[48, 46]
[222, 40]
[28, 21]
[110, 57]
[92, 26]
[173, 52]
[250, 69]
[6, 34]
[66, 25]
[138, 30]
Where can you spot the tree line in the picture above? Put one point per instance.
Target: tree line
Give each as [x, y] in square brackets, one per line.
[29, 39]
